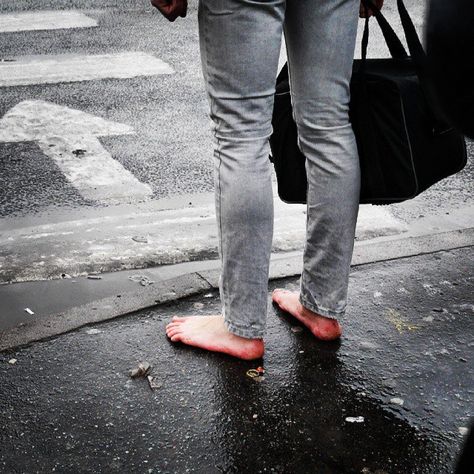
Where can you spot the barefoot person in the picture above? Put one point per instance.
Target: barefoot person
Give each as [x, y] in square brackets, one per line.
[240, 44]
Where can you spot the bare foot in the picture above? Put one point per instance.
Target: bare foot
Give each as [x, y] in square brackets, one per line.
[323, 328]
[209, 332]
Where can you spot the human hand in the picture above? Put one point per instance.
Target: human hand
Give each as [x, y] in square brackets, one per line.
[171, 9]
[363, 11]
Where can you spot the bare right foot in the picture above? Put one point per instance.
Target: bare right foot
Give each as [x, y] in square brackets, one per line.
[209, 333]
[323, 328]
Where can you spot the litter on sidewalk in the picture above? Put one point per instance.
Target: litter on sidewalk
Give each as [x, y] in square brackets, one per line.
[140, 239]
[142, 279]
[141, 371]
[256, 374]
[152, 382]
[355, 419]
[29, 311]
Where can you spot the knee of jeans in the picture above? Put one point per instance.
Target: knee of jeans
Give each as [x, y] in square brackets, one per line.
[244, 119]
[320, 115]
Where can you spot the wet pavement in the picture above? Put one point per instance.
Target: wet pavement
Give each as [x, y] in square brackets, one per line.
[405, 364]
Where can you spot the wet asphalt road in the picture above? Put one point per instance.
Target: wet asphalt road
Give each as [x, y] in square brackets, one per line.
[171, 149]
[69, 405]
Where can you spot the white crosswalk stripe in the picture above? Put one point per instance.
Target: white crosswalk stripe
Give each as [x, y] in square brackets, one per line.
[73, 68]
[67, 136]
[44, 20]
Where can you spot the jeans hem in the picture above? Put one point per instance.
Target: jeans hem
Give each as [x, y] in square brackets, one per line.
[244, 332]
[315, 308]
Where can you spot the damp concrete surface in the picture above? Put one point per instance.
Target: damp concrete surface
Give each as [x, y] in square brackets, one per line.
[395, 395]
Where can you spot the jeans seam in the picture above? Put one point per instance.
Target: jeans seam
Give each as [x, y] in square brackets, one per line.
[246, 333]
[218, 143]
[322, 311]
[219, 192]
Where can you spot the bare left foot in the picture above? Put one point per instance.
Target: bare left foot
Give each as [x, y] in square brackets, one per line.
[210, 333]
[323, 328]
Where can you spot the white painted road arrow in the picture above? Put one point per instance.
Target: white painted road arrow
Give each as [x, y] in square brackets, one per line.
[69, 137]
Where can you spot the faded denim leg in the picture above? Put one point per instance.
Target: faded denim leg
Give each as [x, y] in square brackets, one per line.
[240, 45]
[320, 38]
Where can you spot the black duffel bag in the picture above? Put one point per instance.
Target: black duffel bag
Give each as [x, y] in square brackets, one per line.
[404, 145]
[450, 47]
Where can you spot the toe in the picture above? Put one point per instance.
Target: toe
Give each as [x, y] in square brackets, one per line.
[171, 332]
[178, 319]
[176, 338]
[278, 292]
[172, 325]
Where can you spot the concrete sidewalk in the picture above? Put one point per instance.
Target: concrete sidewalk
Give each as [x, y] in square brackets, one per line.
[394, 396]
[66, 304]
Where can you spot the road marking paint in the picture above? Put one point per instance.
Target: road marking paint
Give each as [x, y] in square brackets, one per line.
[46, 69]
[69, 137]
[44, 20]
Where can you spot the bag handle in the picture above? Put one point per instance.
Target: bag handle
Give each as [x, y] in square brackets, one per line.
[395, 46]
[283, 73]
[415, 48]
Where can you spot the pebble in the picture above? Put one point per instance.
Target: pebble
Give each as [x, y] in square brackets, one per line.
[93, 331]
[13, 361]
[397, 401]
[463, 431]
[296, 329]
[198, 305]
[140, 238]
[255, 416]
[355, 419]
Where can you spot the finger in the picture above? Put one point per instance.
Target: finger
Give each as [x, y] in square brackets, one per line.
[160, 4]
[184, 8]
[177, 8]
[166, 8]
[364, 12]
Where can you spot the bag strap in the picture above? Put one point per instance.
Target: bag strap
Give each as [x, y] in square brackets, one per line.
[395, 46]
[283, 73]
[417, 54]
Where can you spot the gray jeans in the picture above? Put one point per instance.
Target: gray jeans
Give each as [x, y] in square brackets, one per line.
[240, 42]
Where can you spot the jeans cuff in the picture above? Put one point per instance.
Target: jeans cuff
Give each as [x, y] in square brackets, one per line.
[248, 333]
[315, 308]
